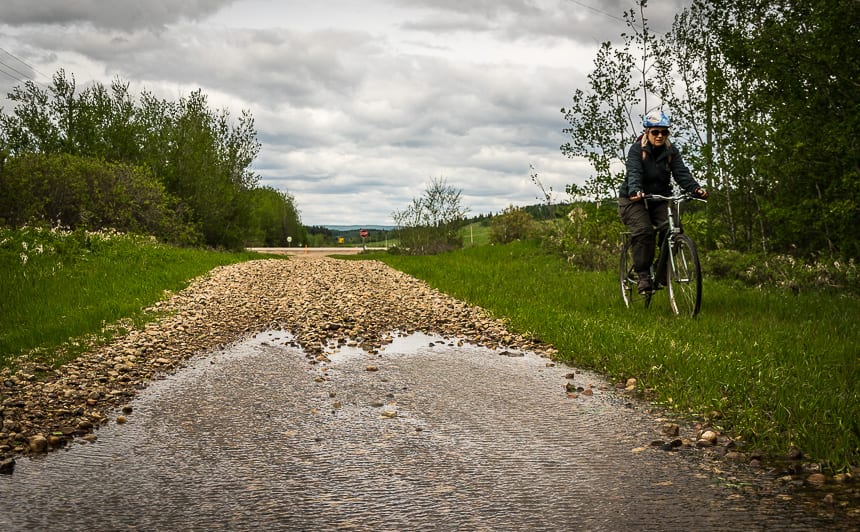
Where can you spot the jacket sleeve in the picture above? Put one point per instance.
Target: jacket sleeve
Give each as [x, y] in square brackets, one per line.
[634, 169]
[680, 173]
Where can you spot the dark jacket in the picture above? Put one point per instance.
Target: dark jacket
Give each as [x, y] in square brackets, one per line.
[652, 174]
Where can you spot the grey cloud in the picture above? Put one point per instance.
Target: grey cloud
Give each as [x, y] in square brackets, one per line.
[586, 21]
[112, 14]
[343, 115]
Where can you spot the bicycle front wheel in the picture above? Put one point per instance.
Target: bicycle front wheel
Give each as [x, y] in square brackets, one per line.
[685, 279]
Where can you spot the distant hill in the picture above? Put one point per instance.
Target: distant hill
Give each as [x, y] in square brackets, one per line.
[358, 227]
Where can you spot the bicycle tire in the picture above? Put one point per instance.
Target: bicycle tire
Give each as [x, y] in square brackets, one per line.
[685, 277]
[628, 280]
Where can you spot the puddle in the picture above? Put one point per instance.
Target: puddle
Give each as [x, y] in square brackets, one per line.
[423, 436]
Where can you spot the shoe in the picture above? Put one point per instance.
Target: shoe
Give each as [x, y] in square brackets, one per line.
[644, 286]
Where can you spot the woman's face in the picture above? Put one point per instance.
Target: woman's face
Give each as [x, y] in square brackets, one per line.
[658, 135]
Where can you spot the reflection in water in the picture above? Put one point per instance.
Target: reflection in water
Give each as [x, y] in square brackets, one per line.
[418, 437]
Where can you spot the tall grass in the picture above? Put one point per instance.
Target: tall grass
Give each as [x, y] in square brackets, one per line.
[59, 285]
[778, 370]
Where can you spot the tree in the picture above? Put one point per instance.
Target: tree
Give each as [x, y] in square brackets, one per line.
[429, 224]
[764, 94]
[274, 219]
[200, 156]
[604, 121]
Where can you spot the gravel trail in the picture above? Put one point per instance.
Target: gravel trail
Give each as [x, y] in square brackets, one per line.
[323, 302]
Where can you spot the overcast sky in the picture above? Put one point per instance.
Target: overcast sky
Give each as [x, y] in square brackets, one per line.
[358, 104]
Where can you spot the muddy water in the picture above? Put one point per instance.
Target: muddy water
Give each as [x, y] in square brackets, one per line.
[419, 437]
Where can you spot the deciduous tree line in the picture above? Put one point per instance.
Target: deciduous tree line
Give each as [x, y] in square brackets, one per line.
[765, 102]
[98, 158]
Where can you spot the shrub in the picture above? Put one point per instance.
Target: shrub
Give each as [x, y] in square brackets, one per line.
[512, 224]
[87, 193]
[589, 237]
[783, 271]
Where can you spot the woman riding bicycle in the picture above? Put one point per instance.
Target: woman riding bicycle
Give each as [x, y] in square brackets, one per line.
[651, 161]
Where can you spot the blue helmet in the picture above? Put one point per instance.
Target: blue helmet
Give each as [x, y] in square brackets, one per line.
[657, 119]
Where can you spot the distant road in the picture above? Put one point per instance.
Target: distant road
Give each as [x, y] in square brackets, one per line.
[299, 251]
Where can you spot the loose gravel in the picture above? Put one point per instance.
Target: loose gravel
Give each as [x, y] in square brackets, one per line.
[323, 302]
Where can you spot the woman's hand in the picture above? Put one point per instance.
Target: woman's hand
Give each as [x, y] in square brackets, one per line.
[702, 193]
[636, 197]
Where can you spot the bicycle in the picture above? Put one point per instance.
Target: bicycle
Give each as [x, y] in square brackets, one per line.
[677, 267]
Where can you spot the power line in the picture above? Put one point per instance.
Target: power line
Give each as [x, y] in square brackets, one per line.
[29, 66]
[13, 69]
[597, 10]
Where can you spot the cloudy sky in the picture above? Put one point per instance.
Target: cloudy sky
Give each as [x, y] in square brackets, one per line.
[358, 103]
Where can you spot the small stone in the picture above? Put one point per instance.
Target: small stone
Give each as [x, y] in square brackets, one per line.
[38, 443]
[817, 479]
[389, 413]
[709, 436]
[7, 466]
[735, 456]
[372, 368]
[121, 419]
[588, 391]
[127, 409]
[670, 429]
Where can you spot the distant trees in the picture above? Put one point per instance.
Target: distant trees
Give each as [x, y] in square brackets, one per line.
[765, 99]
[430, 223]
[201, 160]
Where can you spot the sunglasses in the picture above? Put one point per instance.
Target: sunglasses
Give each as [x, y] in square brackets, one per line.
[660, 132]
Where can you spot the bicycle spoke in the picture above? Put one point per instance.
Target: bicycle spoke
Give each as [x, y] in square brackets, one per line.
[685, 281]
[629, 280]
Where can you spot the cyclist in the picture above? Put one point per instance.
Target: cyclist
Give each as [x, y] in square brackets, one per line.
[651, 161]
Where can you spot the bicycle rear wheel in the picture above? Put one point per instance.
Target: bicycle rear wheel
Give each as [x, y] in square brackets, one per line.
[628, 280]
[685, 279]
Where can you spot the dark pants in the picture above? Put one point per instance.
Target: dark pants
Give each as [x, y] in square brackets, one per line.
[641, 221]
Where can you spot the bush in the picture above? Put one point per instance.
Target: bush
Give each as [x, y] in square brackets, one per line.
[589, 237]
[82, 192]
[512, 224]
[429, 225]
[783, 271]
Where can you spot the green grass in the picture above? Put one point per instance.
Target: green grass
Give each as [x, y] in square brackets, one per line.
[779, 370]
[59, 286]
[475, 234]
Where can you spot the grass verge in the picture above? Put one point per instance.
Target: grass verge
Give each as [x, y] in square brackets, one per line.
[59, 285]
[776, 369]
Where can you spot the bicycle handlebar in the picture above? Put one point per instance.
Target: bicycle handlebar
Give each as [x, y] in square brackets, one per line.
[680, 197]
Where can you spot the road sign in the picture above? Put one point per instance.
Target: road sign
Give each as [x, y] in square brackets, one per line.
[363, 233]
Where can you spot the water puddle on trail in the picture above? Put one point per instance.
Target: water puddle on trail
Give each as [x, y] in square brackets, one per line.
[425, 435]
